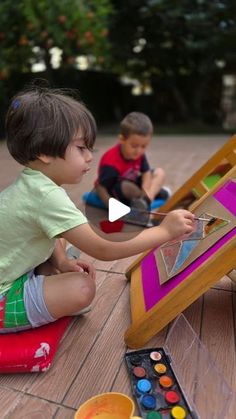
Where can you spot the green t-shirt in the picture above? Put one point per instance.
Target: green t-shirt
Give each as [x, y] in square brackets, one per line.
[34, 211]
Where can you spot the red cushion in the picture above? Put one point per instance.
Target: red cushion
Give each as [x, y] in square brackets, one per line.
[31, 350]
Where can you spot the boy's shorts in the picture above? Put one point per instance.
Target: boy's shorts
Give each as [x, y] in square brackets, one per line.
[22, 306]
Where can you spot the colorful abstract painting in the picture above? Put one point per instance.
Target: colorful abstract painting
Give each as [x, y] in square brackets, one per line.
[175, 254]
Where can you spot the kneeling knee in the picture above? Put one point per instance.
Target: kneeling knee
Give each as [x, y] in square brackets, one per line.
[159, 173]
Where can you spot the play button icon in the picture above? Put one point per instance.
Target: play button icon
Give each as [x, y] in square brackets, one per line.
[117, 217]
[116, 209]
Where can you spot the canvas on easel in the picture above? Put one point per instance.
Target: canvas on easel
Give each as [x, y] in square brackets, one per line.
[154, 301]
[189, 249]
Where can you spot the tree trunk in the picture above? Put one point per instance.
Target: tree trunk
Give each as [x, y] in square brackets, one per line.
[48, 70]
[181, 103]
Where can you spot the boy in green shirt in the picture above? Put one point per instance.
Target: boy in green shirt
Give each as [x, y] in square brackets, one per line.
[52, 135]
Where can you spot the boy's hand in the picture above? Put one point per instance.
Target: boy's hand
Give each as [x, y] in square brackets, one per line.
[77, 265]
[178, 223]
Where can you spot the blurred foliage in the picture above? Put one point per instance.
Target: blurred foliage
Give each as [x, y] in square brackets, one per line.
[181, 47]
[163, 37]
[178, 49]
[29, 29]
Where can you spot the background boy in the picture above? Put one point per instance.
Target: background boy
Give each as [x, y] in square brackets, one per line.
[124, 172]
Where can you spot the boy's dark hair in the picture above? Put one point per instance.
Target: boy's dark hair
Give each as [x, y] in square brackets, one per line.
[44, 121]
[136, 123]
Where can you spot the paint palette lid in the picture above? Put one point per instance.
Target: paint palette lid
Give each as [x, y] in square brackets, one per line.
[204, 385]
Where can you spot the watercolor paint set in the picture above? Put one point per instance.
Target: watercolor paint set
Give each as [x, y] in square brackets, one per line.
[155, 386]
[178, 380]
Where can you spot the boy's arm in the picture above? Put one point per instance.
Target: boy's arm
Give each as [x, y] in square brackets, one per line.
[177, 223]
[84, 238]
[60, 261]
[58, 255]
[146, 174]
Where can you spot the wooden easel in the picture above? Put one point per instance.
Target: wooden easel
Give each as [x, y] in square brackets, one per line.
[186, 195]
[180, 293]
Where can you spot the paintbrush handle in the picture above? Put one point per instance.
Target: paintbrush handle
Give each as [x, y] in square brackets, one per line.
[110, 272]
[166, 213]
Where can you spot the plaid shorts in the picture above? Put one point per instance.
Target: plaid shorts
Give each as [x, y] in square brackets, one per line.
[23, 306]
[12, 307]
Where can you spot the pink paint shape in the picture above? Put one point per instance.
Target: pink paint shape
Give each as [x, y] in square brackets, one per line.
[169, 255]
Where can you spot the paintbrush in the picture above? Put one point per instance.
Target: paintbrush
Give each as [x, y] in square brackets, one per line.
[110, 272]
[210, 220]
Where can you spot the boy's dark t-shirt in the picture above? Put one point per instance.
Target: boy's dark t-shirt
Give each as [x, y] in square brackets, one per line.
[113, 168]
